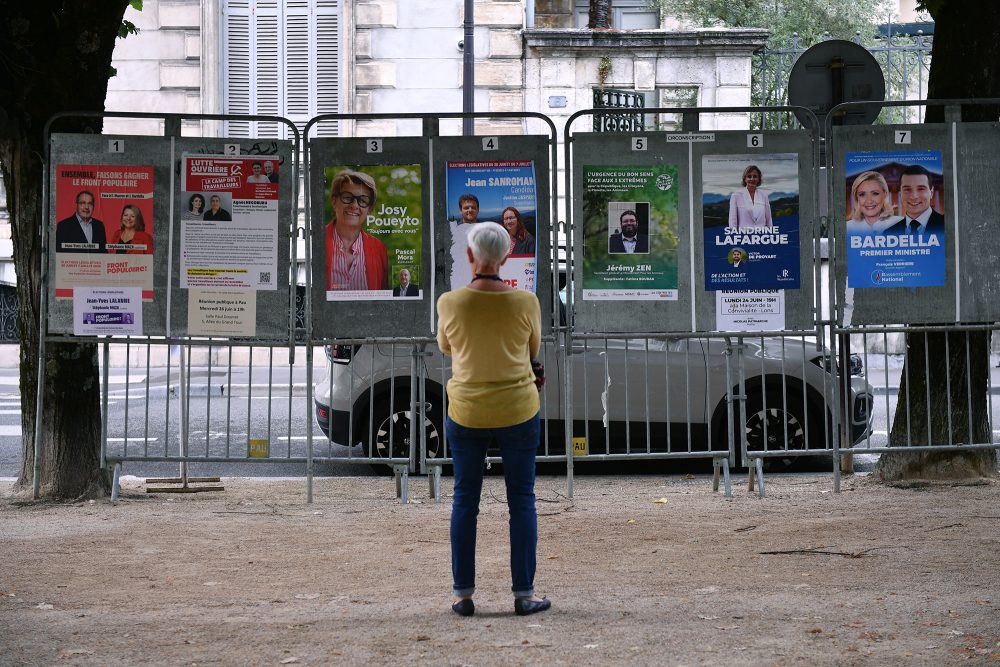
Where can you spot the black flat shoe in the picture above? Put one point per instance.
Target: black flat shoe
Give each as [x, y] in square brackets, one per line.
[464, 607]
[526, 607]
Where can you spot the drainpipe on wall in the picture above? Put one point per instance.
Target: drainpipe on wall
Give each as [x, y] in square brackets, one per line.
[468, 71]
[529, 14]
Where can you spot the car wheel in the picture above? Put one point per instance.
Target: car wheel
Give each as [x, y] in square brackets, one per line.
[391, 431]
[775, 422]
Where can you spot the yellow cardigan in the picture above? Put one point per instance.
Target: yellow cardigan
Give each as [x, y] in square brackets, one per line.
[492, 338]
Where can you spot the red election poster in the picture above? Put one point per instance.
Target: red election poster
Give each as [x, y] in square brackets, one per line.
[103, 228]
[229, 223]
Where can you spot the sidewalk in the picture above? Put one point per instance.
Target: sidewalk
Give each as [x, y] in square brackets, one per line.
[641, 571]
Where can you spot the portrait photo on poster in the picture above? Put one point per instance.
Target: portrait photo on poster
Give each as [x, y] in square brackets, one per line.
[103, 228]
[501, 191]
[895, 227]
[630, 233]
[373, 235]
[750, 221]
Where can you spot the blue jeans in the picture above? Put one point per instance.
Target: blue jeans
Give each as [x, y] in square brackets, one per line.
[518, 445]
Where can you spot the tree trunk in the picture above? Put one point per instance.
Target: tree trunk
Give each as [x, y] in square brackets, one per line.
[943, 391]
[599, 14]
[57, 58]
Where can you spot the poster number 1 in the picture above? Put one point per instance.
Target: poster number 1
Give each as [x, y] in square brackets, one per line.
[903, 136]
[116, 146]
[491, 143]
[373, 145]
[231, 149]
[755, 140]
[639, 143]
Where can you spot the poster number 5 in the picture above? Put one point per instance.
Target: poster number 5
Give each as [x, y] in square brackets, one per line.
[373, 145]
[639, 143]
[116, 146]
[903, 136]
[755, 140]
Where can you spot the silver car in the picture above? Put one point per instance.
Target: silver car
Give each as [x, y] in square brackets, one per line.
[628, 396]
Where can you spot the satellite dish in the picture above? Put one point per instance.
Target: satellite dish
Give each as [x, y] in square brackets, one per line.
[834, 72]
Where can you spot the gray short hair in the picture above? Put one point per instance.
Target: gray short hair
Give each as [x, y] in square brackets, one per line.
[489, 242]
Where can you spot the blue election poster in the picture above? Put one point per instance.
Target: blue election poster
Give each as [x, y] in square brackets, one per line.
[750, 212]
[895, 220]
[501, 191]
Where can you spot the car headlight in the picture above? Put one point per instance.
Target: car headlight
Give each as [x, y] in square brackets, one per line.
[828, 363]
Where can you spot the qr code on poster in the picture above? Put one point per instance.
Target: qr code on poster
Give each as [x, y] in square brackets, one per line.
[265, 278]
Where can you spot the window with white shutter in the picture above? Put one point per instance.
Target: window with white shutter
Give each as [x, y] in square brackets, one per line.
[280, 58]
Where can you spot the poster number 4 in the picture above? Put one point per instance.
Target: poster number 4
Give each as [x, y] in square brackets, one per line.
[639, 143]
[116, 146]
[755, 140]
[491, 143]
[903, 136]
[373, 145]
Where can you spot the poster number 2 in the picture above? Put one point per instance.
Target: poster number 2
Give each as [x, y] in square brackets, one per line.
[373, 145]
[903, 136]
[116, 146]
[231, 149]
[755, 140]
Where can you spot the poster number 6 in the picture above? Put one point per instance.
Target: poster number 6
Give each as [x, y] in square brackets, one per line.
[116, 146]
[755, 140]
[903, 136]
[639, 143]
[373, 145]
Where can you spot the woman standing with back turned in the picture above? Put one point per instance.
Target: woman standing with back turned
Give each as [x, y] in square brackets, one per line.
[492, 332]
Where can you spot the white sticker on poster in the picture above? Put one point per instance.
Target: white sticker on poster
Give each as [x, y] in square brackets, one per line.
[756, 310]
[107, 311]
[222, 312]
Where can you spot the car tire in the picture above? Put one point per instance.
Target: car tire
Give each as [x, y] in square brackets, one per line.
[390, 432]
[776, 421]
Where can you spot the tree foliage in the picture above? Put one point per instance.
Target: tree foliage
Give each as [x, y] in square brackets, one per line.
[810, 19]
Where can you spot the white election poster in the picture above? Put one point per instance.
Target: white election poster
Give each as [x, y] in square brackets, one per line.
[107, 311]
[756, 310]
[229, 224]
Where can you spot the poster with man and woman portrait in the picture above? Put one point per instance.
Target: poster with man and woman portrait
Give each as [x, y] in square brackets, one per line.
[374, 232]
[750, 215]
[895, 219]
[501, 191]
[630, 232]
[229, 224]
[103, 228]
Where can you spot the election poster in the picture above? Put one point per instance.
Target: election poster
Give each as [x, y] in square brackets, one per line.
[895, 219]
[107, 311]
[754, 310]
[630, 233]
[374, 232]
[750, 215]
[229, 224]
[501, 191]
[103, 228]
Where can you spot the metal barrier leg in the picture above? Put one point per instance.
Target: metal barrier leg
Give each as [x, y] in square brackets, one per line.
[725, 477]
[716, 464]
[435, 479]
[750, 472]
[115, 479]
[759, 467]
[402, 483]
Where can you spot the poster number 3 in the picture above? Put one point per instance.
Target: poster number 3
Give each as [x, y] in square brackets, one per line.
[116, 146]
[373, 145]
